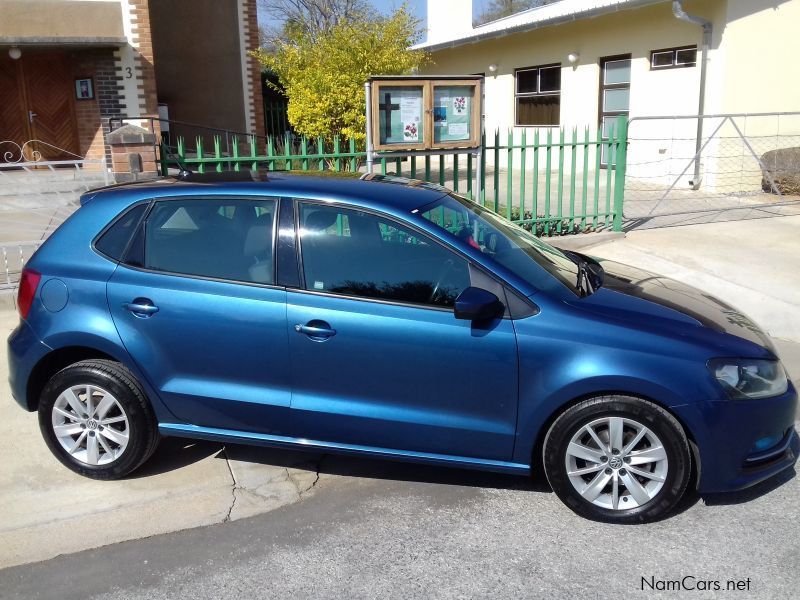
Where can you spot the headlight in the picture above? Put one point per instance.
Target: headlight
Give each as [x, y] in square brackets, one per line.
[745, 378]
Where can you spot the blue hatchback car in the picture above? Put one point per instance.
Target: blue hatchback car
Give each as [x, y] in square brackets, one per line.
[390, 318]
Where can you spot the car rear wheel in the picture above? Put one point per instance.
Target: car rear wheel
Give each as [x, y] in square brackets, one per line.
[618, 459]
[96, 419]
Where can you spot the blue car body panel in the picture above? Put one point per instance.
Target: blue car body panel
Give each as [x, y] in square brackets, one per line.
[224, 361]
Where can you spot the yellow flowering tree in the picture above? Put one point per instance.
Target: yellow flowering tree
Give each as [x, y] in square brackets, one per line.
[323, 75]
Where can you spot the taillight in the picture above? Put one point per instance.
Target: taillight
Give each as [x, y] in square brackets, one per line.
[27, 290]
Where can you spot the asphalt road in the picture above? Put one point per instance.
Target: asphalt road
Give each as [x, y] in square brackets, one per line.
[377, 529]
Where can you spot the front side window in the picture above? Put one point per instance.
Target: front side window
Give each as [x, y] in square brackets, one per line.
[538, 95]
[213, 237]
[356, 253]
[511, 246]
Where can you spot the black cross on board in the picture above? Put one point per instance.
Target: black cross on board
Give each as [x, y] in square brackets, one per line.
[388, 107]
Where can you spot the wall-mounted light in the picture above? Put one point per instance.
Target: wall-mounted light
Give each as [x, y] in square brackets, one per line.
[493, 68]
[14, 52]
[573, 57]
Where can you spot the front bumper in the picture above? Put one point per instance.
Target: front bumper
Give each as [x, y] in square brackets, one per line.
[24, 352]
[742, 442]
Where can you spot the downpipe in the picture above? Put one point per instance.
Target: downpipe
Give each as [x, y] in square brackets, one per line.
[677, 10]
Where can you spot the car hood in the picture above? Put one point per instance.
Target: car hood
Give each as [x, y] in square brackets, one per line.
[690, 302]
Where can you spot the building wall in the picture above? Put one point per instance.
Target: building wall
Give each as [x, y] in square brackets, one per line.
[633, 31]
[748, 71]
[93, 115]
[202, 69]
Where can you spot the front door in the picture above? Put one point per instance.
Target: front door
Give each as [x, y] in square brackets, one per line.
[37, 107]
[195, 306]
[378, 358]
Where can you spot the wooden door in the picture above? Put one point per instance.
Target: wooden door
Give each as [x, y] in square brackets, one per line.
[14, 129]
[49, 95]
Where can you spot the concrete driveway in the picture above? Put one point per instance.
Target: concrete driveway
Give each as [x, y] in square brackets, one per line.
[340, 526]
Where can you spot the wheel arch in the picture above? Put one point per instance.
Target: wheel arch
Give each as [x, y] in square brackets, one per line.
[536, 459]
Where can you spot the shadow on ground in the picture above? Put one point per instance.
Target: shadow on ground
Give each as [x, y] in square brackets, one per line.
[176, 453]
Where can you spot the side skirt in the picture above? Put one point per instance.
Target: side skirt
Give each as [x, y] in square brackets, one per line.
[277, 441]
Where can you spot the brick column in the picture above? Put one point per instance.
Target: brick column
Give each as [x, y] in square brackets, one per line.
[133, 154]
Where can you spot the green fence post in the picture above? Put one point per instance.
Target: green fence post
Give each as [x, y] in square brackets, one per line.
[199, 145]
[235, 150]
[470, 192]
[320, 152]
[441, 169]
[609, 166]
[547, 177]
[522, 176]
[560, 210]
[509, 173]
[270, 153]
[287, 151]
[218, 153]
[427, 168]
[253, 153]
[621, 165]
[584, 191]
[482, 199]
[304, 152]
[455, 172]
[598, 145]
[337, 164]
[497, 170]
[413, 167]
[574, 155]
[535, 199]
[353, 159]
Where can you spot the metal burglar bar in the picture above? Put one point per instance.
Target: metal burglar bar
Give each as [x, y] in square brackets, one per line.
[552, 184]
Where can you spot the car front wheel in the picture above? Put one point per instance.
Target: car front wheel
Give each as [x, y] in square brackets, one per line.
[618, 459]
[96, 419]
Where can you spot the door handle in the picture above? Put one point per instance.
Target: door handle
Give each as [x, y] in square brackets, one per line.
[141, 308]
[318, 332]
[31, 115]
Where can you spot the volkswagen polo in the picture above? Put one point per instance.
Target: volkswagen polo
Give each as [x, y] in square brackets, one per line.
[389, 318]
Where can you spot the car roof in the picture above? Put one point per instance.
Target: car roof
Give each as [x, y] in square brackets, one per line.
[378, 191]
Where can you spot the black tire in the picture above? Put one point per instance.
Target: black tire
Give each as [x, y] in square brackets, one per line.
[667, 429]
[119, 381]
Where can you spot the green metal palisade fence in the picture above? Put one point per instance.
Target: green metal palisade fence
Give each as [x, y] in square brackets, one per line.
[552, 184]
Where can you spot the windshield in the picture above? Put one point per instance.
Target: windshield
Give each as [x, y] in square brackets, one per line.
[510, 245]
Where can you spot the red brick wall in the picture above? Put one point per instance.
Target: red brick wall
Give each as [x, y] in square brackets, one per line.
[254, 67]
[93, 115]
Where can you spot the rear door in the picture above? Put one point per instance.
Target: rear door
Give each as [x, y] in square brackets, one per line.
[196, 306]
[378, 357]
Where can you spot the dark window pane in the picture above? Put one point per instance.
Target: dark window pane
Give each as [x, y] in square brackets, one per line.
[112, 243]
[550, 79]
[663, 59]
[224, 239]
[687, 56]
[378, 259]
[539, 110]
[527, 81]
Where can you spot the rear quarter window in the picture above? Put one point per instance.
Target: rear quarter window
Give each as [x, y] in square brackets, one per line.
[113, 242]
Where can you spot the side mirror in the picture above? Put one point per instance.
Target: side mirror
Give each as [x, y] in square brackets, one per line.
[476, 304]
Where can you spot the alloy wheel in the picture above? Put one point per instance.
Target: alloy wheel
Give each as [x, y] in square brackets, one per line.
[616, 463]
[90, 424]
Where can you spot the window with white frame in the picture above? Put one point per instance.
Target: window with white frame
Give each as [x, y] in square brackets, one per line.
[537, 95]
[673, 58]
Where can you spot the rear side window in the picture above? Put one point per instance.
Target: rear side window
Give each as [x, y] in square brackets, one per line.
[218, 238]
[113, 242]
